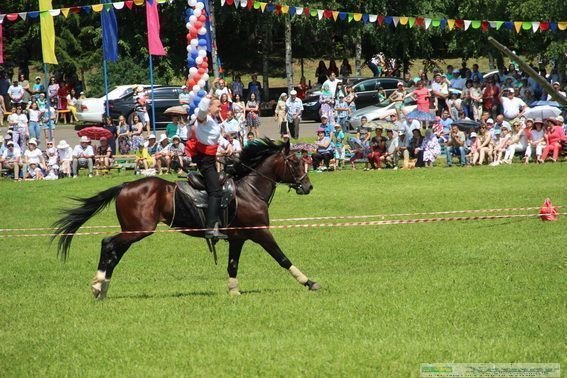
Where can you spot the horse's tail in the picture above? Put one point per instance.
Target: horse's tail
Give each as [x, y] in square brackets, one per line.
[73, 219]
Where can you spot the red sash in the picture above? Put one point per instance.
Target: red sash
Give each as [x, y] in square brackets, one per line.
[194, 147]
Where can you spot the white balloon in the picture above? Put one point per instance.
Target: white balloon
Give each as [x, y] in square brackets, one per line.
[193, 70]
[188, 25]
[199, 5]
[193, 19]
[202, 53]
[193, 48]
[199, 60]
[201, 83]
[191, 96]
[196, 89]
[191, 3]
[189, 48]
[203, 31]
[197, 12]
[199, 48]
[194, 42]
[193, 116]
[205, 76]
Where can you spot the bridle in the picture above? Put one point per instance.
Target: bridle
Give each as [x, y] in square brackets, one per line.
[297, 184]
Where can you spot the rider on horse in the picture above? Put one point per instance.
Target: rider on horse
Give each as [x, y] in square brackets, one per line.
[208, 134]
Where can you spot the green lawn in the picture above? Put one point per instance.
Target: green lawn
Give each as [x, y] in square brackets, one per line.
[393, 296]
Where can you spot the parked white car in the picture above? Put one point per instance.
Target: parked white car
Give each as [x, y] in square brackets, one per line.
[92, 109]
[377, 112]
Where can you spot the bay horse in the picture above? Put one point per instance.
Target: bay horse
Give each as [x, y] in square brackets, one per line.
[142, 204]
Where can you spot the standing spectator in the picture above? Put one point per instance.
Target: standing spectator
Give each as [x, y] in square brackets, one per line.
[37, 88]
[184, 96]
[255, 87]
[183, 131]
[378, 150]
[512, 107]
[338, 140]
[48, 118]
[103, 157]
[83, 155]
[27, 90]
[11, 159]
[72, 104]
[476, 100]
[293, 109]
[331, 84]
[279, 115]
[440, 91]
[239, 111]
[41, 102]
[52, 91]
[252, 114]
[62, 96]
[456, 146]
[327, 102]
[467, 100]
[141, 109]
[13, 119]
[491, 97]
[65, 157]
[225, 106]
[421, 96]
[109, 125]
[237, 87]
[333, 68]
[342, 110]
[302, 88]
[324, 151]
[554, 134]
[321, 73]
[4, 85]
[340, 91]
[398, 97]
[137, 129]
[21, 130]
[475, 74]
[171, 128]
[34, 121]
[455, 105]
[346, 69]
[221, 89]
[123, 134]
[16, 93]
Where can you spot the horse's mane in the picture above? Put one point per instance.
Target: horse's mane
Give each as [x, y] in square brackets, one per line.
[255, 153]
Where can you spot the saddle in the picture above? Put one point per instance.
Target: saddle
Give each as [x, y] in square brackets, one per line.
[191, 202]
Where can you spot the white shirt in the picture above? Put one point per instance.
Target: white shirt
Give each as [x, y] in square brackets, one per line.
[34, 157]
[34, 115]
[16, 92]
[392, 144]
[79, 150]
[221, 91]
[411, 126]
[208, 132]
[65, 153]
[22, 120]
[11, 155]
[549, 98]
[182, 131]
[231, 126]
[13, 119]
[332, 85]
[440, 87]
[511, 107]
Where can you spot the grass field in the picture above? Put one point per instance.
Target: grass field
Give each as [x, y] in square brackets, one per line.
[393, 296]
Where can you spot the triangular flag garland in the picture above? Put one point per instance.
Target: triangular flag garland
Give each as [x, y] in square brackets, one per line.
[411, 22]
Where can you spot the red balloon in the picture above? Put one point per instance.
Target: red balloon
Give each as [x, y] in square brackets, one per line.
[204, 65]
[191, 83]
[198, 25]
[202, 18]
[196, 76]
[202, 70]
[189, 37]
[205, 59]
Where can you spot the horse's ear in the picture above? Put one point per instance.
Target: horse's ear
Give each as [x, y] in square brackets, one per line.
[287, 147]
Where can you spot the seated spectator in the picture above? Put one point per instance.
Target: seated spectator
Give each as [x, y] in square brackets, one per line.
[65, 158]
[123, 133]
[392, 149]
[11, 159]
[325, 151]
[179, 161]
[429, 150]
[109, 125]
[103, 158]
[162, 156]
[137, 129]
[250, 137]
[143, 158]
[501, 145]
[378, 150]
[230, 125]
[339, 142]
[456, 146]
[171, 128]
[415, 143]
[518, 141]
[229, 148]
[152, 145]
[403, 148]
[83, 155]
[554, 135]
[484, 146]
[326, 125]
[52, 171]
[34, 163]
[183, 131]
[536, 141]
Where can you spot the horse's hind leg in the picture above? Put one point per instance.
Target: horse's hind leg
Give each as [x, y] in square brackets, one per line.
[112, 250]
[266, 240]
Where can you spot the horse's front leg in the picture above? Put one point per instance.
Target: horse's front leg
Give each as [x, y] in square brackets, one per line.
[234, 250]
[266, 240]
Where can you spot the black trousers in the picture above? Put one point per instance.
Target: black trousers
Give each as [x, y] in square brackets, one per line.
[294, 128]
[324, 157]
[206, 165]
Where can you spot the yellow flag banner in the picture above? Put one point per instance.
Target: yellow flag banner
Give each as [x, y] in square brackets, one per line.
[47, 32]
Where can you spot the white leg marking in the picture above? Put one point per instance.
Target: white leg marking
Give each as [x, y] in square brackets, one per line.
[296, 273]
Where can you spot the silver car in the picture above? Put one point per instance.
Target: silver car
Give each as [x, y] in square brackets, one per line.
[382, 111]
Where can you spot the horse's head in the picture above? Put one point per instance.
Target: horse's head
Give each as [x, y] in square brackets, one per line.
[291, 171]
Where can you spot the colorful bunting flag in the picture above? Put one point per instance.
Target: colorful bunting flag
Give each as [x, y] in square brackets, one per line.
[47, 32]
[152, 20]
[109, 34]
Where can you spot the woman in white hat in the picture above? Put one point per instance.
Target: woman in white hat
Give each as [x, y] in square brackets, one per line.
[279, 115]
[34, 163]
[65, 154]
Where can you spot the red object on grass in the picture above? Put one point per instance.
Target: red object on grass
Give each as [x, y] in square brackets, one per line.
[95, 133]
[548, 212]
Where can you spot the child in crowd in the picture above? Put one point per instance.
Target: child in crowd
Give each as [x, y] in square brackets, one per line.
[52, 162]
[500, 145]
[143, 159]
[338, 140]
[307, 160]
[472, 146]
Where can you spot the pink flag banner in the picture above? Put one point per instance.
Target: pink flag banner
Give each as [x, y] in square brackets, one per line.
[1, 46]
[152, 19]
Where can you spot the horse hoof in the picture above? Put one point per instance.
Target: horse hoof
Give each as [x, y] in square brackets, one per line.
[313, 286]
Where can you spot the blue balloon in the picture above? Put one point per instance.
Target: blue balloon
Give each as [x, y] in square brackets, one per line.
[194, 54]
[196, 101]
[189, 12]
[202, 42]
[202, 93]
[191, 62]
[192, 109]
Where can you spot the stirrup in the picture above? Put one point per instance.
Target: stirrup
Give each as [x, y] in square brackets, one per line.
[215, 233]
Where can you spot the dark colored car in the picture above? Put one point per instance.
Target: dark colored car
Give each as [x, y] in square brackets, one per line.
[366, 94]
[164, 97]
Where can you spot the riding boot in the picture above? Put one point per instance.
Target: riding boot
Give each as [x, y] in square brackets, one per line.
[213, 219]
